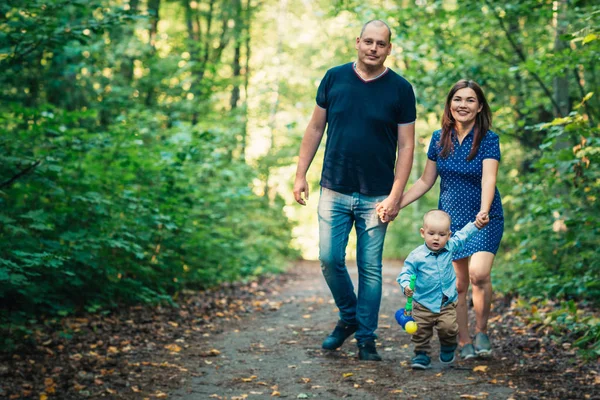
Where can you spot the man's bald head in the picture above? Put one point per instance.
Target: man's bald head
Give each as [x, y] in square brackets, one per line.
[377, 23]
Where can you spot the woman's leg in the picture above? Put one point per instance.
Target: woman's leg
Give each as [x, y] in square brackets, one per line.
[480, 268]
[461, 267]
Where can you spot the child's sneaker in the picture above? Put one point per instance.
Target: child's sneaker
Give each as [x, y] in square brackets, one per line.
[447, 356]
[421, 361]
[483, 347]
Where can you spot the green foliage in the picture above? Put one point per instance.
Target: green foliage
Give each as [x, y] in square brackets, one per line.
[564, 323]
[115, 188]
[554, 211]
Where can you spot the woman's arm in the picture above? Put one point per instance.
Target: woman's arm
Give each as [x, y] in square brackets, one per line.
[422, 185]
[488, 183]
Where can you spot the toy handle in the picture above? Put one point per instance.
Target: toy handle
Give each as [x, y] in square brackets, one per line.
[411, 285]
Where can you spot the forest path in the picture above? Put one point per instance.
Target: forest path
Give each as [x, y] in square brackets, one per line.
[277, 353]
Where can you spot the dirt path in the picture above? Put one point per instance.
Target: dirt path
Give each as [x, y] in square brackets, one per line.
[278, 353]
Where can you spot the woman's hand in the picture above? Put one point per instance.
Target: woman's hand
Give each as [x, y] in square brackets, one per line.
[482, 219]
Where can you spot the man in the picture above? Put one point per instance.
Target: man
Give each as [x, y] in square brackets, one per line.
[370, 111]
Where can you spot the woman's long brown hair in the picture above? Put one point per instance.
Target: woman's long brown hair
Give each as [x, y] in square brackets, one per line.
[483, 121]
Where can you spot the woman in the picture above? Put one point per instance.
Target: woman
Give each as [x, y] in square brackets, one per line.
[465, 154]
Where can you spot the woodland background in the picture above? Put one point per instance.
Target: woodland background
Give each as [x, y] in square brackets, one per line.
[148, 147]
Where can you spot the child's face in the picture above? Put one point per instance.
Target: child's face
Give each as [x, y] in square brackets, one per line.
[436, 233]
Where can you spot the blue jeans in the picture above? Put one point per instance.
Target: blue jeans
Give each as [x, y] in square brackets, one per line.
[337, 213]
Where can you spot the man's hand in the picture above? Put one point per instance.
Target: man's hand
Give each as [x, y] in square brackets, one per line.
[482, 219]
[301, 186]
[387, 210]
[408, 291]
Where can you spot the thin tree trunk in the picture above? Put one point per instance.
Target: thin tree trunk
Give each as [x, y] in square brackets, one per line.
[561, 84]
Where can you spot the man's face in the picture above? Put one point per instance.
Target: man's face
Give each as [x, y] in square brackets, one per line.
[373, 46]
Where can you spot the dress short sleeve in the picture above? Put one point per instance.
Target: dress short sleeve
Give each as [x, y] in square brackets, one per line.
[322, 98]
[432, 152]
[490, 146]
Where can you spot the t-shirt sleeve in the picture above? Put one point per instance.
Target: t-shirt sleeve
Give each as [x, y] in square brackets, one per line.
[322, 92]
[408, 107]
[490, 146]
[432, 152]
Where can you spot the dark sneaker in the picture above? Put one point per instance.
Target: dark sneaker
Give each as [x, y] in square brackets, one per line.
[483, 347]
[468, 351]
[447, 357]
[339, 335]
[368, 352]
[421, 361]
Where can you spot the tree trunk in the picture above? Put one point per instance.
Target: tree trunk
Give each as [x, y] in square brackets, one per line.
[561, 84]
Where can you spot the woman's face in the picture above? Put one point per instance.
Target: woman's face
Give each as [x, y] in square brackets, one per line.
[464, 106]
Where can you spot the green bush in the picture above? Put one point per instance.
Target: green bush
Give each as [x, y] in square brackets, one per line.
[553, 234]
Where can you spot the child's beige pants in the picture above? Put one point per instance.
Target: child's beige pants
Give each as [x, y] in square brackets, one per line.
[444, 322]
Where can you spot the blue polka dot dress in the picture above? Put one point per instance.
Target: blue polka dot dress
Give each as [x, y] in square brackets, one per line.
[460, 189]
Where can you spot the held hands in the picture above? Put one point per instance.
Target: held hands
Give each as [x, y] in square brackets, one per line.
[301, 186]
[408, 291]
[482, 219]
[387, 210]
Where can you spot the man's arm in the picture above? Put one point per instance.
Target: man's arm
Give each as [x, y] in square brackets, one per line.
[308, 149]
[406, 151]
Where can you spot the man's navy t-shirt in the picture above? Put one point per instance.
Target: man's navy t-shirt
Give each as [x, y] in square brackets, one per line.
[362, 132]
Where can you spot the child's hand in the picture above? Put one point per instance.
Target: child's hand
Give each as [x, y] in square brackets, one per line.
[382, 213]
[482, 219]
[408, 291]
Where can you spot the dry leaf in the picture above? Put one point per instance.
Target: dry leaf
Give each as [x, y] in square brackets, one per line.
[370, 381]
[305, 380]
[467, 396]
[275, 394]
[173, 347]
[480, 368]
[396, 391]
[43, 396]
[356, 386]
[347, 374]
[161, 395]
[438, 375]
[253, 377]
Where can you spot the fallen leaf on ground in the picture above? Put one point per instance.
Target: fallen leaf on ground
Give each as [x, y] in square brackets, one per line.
[347, 374]
[173, 347]
[480, 368]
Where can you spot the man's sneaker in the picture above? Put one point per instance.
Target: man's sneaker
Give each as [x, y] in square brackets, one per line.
[338, 336]
[368, 352]
[468, 351]
[421, 361]
[483, 347]
[447, 354]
